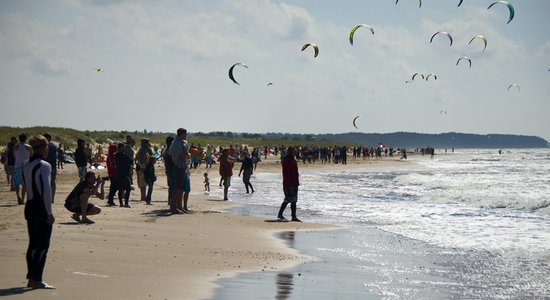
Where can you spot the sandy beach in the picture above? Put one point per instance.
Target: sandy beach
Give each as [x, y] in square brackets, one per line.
[143, 252]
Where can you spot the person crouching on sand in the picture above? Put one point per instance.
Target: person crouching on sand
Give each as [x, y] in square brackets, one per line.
[77, 201]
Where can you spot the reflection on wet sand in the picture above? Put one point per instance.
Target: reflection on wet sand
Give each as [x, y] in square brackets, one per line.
[288, 237]
[285, 284]
[285, 281]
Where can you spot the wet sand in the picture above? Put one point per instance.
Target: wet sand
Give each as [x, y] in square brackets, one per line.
[143, 252]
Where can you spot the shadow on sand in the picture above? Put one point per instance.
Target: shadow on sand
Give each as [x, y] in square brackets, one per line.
[14, 291]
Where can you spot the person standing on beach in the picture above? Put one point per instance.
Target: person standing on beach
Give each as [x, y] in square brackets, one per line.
[10, 164]
[77, 201]
[226, 171]
[208, 157]
[150, 177]
[206, 183]
[130, 143]
[80, 159]
[38, 211]
[111, 171]
[247, 168]
[52, 160]
[142, 157]
[21, 152]
[60, 156]
[168, 168]
[123, 164]
[180, 153]
[290, 184]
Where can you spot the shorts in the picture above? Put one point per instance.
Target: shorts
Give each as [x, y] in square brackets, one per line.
[141, 179]
[291, 194]
[17, 176]
[8, 169]
[82, 172]
[180, 180]
[78, 210]
[226, 181]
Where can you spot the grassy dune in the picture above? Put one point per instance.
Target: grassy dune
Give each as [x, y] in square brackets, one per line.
[69, 136]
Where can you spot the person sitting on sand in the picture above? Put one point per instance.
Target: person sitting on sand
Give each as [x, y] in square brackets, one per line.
[78, 200]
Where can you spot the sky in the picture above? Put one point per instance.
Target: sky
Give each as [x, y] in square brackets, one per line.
[164, 65]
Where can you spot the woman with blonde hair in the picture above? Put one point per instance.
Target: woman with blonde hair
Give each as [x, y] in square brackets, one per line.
[38, 210]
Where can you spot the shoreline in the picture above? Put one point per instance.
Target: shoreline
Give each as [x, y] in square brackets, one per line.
[141, 253]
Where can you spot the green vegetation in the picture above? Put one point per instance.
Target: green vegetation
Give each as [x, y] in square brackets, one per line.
[68, 136]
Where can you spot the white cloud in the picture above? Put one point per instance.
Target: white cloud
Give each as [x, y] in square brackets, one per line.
[544, 50]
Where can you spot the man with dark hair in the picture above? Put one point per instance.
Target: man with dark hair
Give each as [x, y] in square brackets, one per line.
[77, 201]
[182, 185]
[80, 159]
[226, 171]
[290, 184]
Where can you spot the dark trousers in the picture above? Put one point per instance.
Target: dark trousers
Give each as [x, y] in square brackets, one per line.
[150, 185]
[113, 188]
[39, 243]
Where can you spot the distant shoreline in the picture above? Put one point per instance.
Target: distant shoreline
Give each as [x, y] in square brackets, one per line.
[407, 140]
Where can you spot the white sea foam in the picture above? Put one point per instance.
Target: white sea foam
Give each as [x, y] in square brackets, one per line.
[471, 199]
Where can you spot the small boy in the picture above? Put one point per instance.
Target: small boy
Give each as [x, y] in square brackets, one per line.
[206, 183]
[150, 177]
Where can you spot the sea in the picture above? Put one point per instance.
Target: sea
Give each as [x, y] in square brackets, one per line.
[471, 224]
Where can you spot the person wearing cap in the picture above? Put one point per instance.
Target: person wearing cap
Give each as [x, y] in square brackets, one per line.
[290, 184]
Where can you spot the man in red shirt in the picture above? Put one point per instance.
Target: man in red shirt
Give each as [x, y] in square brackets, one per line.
[290, 184]
[226, 171]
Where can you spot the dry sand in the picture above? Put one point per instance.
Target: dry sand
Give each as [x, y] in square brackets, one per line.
[144, 253]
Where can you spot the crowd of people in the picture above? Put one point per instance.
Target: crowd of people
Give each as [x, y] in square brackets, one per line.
[31, 170]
